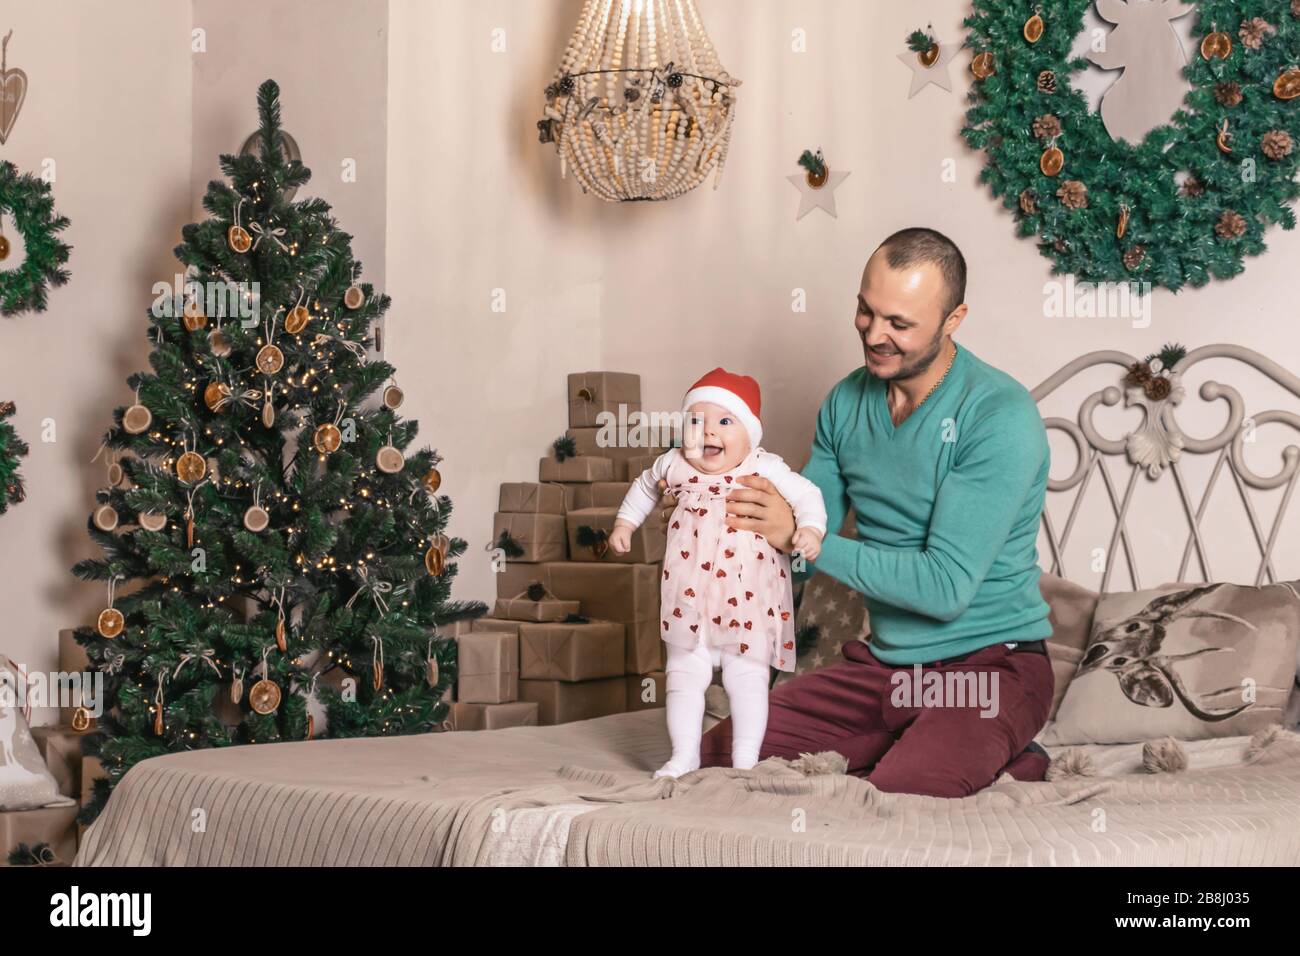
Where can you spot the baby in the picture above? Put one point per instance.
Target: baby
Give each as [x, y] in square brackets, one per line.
[725, 595]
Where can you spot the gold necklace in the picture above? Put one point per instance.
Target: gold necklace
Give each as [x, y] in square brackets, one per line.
[951, 359]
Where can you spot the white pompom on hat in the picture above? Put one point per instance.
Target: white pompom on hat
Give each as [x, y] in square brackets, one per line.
[738, 394]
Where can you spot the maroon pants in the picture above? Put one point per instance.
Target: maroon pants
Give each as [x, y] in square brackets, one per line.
[950, 746]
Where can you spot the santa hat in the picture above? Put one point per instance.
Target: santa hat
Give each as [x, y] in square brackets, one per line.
[738, 394]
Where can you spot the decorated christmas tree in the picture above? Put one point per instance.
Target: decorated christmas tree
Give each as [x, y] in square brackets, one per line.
[11, 449]
[275, 535]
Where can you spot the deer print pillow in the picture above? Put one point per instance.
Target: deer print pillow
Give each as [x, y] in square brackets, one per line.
[1183, 660]
[25, 782]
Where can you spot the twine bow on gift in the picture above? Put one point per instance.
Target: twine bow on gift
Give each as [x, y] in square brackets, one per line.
[535, 592]
[204, 656]
[273, 234]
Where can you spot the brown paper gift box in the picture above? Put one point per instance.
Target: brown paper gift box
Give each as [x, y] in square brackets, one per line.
[608, 494]
[637, 465]
[518, 713]
[643, 647]
[572, 652]
[608, 592]
[521, 607]
[561, 701]
[60, 748]
[528, 497]
[495, 624]
[648, 541]
[488, 667]
[516, 576]
[591, 393]
[579, 468]
[642, 686]
[587, 441]
[542, 536]
[56, 826]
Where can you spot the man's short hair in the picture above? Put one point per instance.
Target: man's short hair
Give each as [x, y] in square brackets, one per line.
[909, 247]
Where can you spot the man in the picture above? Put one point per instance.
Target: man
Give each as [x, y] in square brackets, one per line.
[944, 460]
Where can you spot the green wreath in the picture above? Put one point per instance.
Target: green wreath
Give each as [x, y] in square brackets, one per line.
[1173, 210]
[12, 448]
[29, 200]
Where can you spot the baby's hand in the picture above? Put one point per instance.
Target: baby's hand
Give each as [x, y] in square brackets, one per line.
[620, 538]
[808, 542]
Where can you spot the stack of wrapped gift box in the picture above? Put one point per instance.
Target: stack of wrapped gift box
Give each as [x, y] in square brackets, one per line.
[575, 630]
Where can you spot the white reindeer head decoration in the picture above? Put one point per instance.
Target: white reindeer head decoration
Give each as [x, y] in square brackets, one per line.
[1146, 47]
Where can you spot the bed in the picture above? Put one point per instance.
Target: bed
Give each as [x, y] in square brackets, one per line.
[581, 794]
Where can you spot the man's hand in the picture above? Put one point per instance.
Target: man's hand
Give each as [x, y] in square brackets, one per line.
[758, 507]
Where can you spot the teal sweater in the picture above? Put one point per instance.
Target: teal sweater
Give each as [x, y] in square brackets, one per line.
[947, 504]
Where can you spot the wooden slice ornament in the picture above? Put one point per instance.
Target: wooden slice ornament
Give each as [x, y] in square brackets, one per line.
[354, 298]
[115, 474]
[216, 396]
[393, 397]
[1052, 161]
[1287, 84]
[1033, 29]
[137, 419]
[81, 720]
[219, 343]
[256, 519]
[983, 66]
[152, 520]
[106, 518]
[390, 460]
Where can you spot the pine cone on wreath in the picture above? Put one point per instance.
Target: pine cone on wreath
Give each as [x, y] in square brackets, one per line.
[1047, 126]
[1073, 194]
[1228, 94]
[1193, 187]
[1157, 388]
[1254, 30]
[1138, 374]
[1231, 225]
[1029, 202]
[1277, 144]
[1047, 82]
[1134, 256]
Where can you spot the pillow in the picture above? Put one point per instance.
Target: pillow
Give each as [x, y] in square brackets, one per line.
[1072, 608]
[840, 616]
[1185, 661]
[25, 781]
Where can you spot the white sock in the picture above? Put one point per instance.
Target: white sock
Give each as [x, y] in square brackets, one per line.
[687, 675]
[746, 682]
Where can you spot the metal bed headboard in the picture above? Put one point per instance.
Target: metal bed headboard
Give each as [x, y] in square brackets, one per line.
[1157, 450]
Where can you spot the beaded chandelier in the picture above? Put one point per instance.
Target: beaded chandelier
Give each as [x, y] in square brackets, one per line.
[640, 107]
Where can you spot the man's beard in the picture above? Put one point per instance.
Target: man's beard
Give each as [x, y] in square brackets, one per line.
[916, 366]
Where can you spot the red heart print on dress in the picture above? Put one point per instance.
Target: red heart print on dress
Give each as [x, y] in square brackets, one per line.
[721, 573]
[718, 619]
[677, 612]
[665, 625]
[689, 592]
[743, 648]
[702, 512]
[714, 489]
[686, 554]
[749, 625]
[749, 595]
[695, 628]
[732, 601]
[788, 645]
[694, 478]
[727, 479]
[771, 613]
[759, 555]
[785, 615]
[734, 623]
[706, 565]
[729, 553]
[676, 525]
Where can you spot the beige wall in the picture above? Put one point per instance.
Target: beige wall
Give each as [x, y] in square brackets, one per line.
[456, 200]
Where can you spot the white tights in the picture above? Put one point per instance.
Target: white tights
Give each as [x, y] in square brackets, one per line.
[688, 673]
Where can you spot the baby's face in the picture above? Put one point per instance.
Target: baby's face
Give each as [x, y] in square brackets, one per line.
[718, 442]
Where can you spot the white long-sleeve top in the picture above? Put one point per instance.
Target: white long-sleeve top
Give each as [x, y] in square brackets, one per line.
[805, 498]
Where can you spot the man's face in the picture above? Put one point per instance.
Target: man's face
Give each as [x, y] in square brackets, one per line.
[900, 316]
